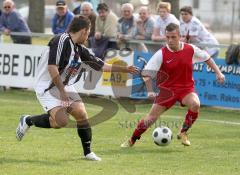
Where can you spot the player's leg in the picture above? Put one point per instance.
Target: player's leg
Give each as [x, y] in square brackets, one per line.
[55, 118]
[192, 101]
[144, 124]
[78, 111]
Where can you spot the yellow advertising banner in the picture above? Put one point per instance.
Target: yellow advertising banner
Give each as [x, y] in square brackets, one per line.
[115, 78]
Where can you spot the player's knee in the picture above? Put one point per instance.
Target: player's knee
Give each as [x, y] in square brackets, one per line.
[62, 121]
[195, 106]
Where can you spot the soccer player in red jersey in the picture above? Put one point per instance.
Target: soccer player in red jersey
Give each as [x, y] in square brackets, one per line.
[172, 65]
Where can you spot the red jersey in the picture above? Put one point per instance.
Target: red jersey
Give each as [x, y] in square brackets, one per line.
[178, 67]
[174, 68]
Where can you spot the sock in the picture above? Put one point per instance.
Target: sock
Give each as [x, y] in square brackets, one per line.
[189, 120]
[140, 129]
[85, 133]
[41, 121]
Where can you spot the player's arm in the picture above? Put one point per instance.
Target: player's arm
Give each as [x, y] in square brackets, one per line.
[219, 76]
[55, 61]
[56, 79]
[203, 56]
[99, 65]
[150, 71]
[116, 68]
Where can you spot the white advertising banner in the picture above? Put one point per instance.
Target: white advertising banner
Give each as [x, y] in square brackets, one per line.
[18, 64]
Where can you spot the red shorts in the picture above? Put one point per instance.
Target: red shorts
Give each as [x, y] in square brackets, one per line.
[168, 98]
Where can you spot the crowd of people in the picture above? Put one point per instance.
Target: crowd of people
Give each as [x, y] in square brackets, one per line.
[105, 25]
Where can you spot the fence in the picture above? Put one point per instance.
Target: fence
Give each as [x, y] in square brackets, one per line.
[18, 65]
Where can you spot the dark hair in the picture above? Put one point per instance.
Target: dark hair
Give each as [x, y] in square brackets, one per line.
[187, 9]
[102, 6]
[171, 27]
[79, 22]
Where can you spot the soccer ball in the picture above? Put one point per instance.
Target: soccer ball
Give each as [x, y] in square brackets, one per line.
[162, 136]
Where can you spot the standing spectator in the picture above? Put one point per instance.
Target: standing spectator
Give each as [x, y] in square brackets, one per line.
[12, 21]
[87, 11]
[193, 31]
[165, 18]
[144, 27]
[106, 27]
[62, 18]
[127, 23]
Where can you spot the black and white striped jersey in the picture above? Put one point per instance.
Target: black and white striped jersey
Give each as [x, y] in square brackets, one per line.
[68, 57]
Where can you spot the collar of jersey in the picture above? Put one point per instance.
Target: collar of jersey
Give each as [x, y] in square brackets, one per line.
[181, 47]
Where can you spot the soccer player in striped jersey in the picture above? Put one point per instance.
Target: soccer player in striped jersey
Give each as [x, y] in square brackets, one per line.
[61, 66]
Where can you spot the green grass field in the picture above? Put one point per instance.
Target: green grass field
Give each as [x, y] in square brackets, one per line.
[215, 142]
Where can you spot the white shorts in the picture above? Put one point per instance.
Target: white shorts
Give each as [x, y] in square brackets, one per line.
[51, 98]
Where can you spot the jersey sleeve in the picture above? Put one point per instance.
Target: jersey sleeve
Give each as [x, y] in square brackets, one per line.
[89, 59]
[153, 65]
[59, 47]
[199, 55]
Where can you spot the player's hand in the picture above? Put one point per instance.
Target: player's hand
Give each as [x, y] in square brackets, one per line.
[64, 99]
[151, 95]
[133, 70]
[220, 78]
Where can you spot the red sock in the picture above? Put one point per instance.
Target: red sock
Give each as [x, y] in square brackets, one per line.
[190, 118]
[141, 128]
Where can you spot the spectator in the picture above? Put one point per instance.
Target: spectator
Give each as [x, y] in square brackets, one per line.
[12, 21]
[87, 11]
[62, 18]
[144, 27]
[165, 18]
[77, 9]
[193, 31]
[106, 27]
[106, 22]
[127, 23]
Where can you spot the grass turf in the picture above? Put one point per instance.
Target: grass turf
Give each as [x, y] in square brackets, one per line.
[214, 149]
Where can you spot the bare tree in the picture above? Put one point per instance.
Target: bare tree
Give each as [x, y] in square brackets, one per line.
[36, 15]
[175, 7]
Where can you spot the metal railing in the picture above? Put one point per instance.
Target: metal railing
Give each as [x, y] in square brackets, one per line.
[132, 41]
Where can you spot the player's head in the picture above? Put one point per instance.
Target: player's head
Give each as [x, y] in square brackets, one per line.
[186, 13]
[172, 33]
[80, 25]
[164, 8]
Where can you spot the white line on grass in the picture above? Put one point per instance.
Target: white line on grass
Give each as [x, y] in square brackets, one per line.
[177, 117]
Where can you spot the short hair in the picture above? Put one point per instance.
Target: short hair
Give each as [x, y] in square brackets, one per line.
[127, 5]
[102, 6]
[171, 27]
[144, 8]
[85, 3]
[9, 1]
[187, 9]
[165, 5]
[78, 23]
